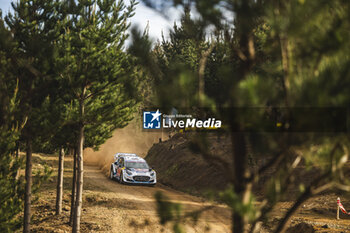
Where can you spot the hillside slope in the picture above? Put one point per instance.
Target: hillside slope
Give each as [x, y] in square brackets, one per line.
[179, 167]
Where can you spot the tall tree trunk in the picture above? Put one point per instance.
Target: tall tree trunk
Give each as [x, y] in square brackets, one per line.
[80, 174]
[241, 188]
[28, 188]
[60, 182]
[201, 73]
[74, 187]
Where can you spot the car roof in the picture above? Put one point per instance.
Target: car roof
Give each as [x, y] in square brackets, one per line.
[129, 157]
[125, 154]
[118, 155]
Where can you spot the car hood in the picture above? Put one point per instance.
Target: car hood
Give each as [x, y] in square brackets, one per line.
[139, 170]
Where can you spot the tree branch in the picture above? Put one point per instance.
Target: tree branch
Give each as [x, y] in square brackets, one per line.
[97, 92]
[311, 190]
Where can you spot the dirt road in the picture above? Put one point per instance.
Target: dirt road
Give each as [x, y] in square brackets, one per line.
[130, 208]
[111, 207]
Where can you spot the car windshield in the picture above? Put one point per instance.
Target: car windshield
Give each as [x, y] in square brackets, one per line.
[136, 165]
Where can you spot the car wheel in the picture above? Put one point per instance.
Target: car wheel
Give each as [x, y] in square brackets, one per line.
[121, 178]
[111, 174]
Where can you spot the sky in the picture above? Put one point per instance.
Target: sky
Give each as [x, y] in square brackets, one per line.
[143, 15]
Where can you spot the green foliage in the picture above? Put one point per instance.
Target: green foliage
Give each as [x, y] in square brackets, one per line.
[108, 112]
[178, 59]
[230, 198]
[271, 54]
[11, 188]
[64, 53]
[168, 211]
[34, 27]
[97, 72]
[41, 176]
[171, 212]
[65, 46]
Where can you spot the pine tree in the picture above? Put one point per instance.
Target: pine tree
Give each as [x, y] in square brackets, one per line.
[33, 26]
[11, 188]
[184, 49]
[99, 74]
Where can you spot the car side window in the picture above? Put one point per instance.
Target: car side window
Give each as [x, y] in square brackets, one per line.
[122, 162]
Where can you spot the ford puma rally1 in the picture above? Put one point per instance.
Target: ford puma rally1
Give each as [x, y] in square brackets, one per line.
[132, 169]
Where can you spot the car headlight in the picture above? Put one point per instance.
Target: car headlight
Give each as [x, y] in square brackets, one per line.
[128, 172]
[152, 173]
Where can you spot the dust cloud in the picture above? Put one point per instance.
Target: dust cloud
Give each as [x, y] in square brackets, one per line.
[131, 139]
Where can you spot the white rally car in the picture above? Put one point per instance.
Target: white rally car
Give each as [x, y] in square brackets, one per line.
[130, 168]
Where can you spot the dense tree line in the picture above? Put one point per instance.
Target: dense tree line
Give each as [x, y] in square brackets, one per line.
[65, 76]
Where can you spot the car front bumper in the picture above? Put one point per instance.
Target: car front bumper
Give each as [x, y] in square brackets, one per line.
[130, 179]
